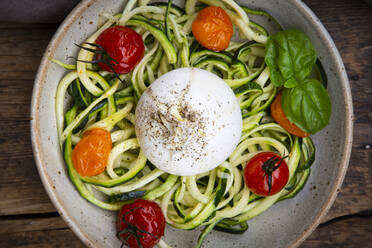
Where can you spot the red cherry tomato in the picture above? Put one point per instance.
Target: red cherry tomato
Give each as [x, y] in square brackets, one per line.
[141, 221]
[123, 45]
[266, 173]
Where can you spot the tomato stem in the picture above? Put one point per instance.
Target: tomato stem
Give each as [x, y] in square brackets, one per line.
[269, 166]
[105, 58]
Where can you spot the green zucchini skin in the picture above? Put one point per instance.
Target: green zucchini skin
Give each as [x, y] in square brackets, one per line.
[237, 82]
[160, 36]
[262, 13]
[220, 64]
[303, 177]
[308, 154]
[196, 56]
[174, 10]
[248, 88]
[208, 210]
[262, 107]
[109, 183]
[166, 20]
[204, 233]
[244, 48]
[162, 189]
[80, 96]
[239, 229]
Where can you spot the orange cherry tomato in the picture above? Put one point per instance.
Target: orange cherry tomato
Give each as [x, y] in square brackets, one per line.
[213, 28]
[91, 153]
[277, 113]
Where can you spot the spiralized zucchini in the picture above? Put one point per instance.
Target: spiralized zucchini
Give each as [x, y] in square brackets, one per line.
[217, 199]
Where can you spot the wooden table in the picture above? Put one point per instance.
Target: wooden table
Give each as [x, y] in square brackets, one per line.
[27, 217]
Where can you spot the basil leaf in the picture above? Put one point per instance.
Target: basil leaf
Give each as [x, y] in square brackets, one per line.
[290, 57]
[307, 105]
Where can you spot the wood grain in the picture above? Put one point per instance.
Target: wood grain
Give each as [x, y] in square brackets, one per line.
[30, 223]
[20, 186]
[42, 239]
[21, 48]
[350, 233]
[28, 219]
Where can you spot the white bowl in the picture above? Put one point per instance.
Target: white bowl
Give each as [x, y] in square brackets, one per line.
[286, 224]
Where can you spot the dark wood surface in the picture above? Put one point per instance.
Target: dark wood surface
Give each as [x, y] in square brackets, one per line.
[27, 217]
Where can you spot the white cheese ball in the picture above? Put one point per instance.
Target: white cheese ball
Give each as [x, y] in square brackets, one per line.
[188, 122]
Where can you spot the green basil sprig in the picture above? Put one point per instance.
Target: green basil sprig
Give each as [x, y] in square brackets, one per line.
[290, 57]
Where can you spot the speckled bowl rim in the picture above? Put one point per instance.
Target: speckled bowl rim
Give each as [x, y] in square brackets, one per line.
[40, 80]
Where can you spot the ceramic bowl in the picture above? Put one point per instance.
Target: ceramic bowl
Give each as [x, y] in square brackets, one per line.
[286, 224]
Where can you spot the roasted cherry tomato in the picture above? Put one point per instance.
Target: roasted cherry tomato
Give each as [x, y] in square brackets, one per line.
[91, 153]
[124, 45]
[278, 114]
[266, 173]
[140, 222]
[213, 28]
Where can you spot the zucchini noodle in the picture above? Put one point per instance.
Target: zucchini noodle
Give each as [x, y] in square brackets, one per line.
[217, 199]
